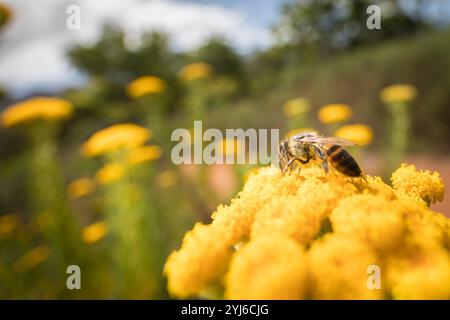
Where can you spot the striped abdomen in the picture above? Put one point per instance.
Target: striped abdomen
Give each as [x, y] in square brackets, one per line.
[343, 161]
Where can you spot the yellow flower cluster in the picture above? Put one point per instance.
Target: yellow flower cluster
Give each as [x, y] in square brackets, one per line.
[359, 133]
[315, 236]
[145, 153]
[398, 93]
[194, 71]
[109, 173]
[408, 183]
[38, 108]
[116, 137]
[333, 113]
[146, 85]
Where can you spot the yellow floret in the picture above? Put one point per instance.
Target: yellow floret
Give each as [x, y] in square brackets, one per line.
[420, 271]
[202, 260]
[418, 185]
[268, 267]
[372, 219]
[339, 269]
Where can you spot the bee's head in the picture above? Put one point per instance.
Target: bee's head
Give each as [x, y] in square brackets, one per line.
[305, 134]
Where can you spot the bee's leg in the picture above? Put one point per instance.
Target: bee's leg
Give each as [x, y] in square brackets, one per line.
[282, 159]
[289, 164]
[302, 162]
[325, 166]
[322, 156]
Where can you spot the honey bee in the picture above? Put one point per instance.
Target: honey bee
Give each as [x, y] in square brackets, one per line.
[308, 146]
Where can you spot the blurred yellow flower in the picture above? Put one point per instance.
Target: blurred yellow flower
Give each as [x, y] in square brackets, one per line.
[80, 188]
[8, 223]
[38, 108]
[32, 258]
[295, 107]
[194, 71]
[398, 93]
[166, 179]
[146, 85]
[229, 146]
[333, 113]
[145, 153]
[358, 133]
[94, 232]
[315, 236]
[5, 14]
[116, 137]
[109, 173]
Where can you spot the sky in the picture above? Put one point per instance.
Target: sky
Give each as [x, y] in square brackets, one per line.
[33, 46]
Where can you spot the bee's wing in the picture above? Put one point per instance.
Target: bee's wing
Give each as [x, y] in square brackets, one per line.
[329, 140]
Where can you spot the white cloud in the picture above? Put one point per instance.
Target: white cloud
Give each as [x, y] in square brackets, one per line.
[32, 50]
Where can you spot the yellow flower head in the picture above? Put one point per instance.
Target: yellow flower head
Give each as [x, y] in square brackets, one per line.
[145, 153]
[249, 173]
[338, 267]
[420, 186]
[116, 137]
[94, 232]
[38, 108]
[398, 93]
[315, 236]
[109, 173]
[206, 253]
[333, 113]
[166, 179]
[358, 133]
[5, 14]
[8, 223]
[194, 71]
[421, 272]
[80, 188]
[270, 267]
[295, 107]
[371, 219]
[32, 258]
[146, 85]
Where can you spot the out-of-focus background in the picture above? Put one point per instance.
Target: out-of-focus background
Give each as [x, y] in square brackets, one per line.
[87, 179]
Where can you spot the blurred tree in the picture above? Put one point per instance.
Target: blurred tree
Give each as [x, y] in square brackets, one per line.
[112, 63]
[224, 59]
[322, 26]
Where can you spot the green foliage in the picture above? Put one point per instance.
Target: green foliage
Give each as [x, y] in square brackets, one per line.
[327, 25]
